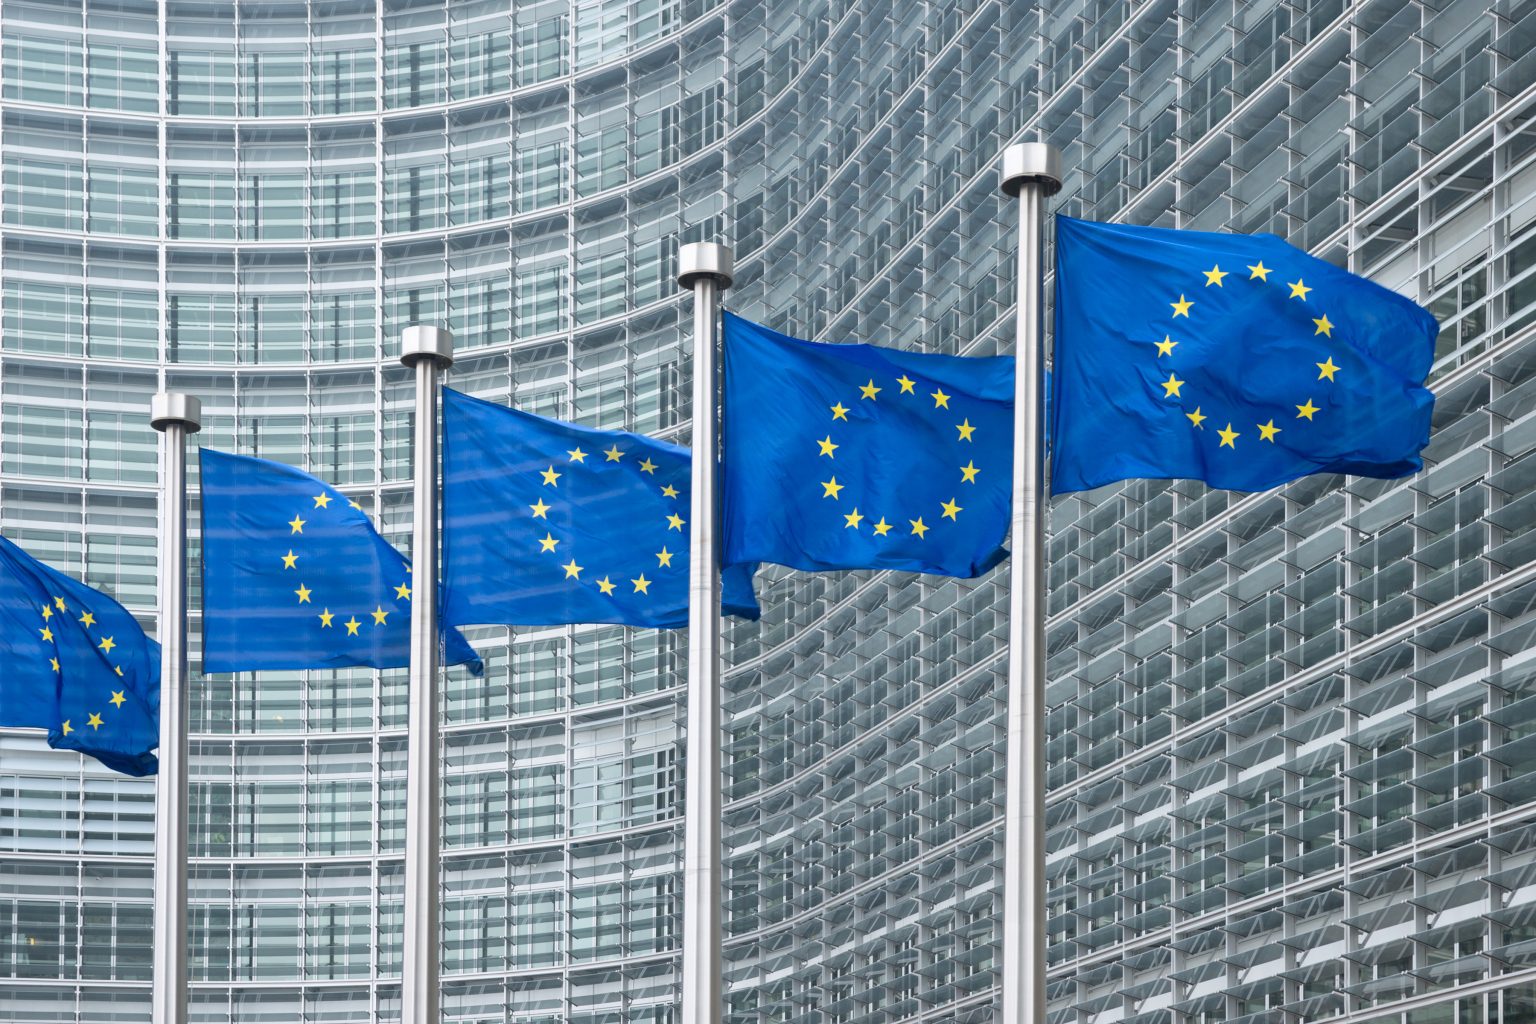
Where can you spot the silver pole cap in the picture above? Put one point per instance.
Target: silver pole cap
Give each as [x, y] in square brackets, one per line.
[704, 259]
[418, 343]
[169, 408]
[1031, 163]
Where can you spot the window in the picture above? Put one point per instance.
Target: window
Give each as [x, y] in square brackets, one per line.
[43, 69]
[42, 316]
[43, 441]
[201, 82]
[123, 77]
[123, 200]
[342, 81]
[43, 193]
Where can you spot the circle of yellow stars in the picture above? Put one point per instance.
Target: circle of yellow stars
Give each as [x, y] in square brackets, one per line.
[59, 609]
[305, 595]
[1171, 387]
[919, 527]
[549, 544]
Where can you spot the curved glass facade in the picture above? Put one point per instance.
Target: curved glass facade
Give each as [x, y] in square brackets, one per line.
[1290, 753]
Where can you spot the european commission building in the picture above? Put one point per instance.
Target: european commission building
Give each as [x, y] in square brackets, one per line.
[1292, 757]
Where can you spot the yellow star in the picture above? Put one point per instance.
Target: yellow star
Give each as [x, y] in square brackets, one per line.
[55, 663]
[882, 527]
[325, 618]
[58, 603]
[869, 390]
[1326, 369]
[675, 522]
[1171, 386]
[853, 519]
[550, 476]
[1298, 290]
[1165, 347]
[940, 399]
[1323, 326]
[297, 524]
[642, 584]
[1214, 276]
[1267, 431]
[577, 455]
[917, 527]
[968, 472]
[1181, 308]
[107, 644]
[827, 447]
[1260, 271]
[572, 570]
[839, 412]
[303, 593]
[118, 700]
[669, 491]
[906, 385]
[663, 557]
[1227, 437]
[829, 488]
[290, 559]
[605, 585]
[47, 613]
[1304, 412]
[648, 467]
[1196, 418]
[88, 620]
[951, 510]
[540, 509]
[547, 543]
[118, 669]
[322, 500]
[402, 593]
[966, 430]
[613, 454]
[67, 727]
[355, 505]
[47, 634]
[352, 625]
[94, 721]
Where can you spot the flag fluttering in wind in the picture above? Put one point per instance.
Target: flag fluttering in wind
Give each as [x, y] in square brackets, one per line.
[863, 457]
[546, 522]
[75, 662]
[1238, 360]
[296, 576]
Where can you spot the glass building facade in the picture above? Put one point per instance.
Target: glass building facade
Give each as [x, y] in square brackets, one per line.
[1291, 763]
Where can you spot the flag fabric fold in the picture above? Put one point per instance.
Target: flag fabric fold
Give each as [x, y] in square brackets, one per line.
[864, 457]
[77, 663]
[295, 576]
[546, 522]
[1238, 360]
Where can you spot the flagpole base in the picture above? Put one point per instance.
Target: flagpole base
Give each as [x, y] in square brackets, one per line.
[1031, 163]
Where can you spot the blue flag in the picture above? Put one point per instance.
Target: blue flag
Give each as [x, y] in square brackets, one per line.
[295, 575]
[1234, 359]
[75, 662]
[547, 522]
[859, 457]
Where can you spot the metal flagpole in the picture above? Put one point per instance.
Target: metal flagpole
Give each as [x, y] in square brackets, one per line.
[705, 268]
[175, 415]
[1031, 172]
[428, 350]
